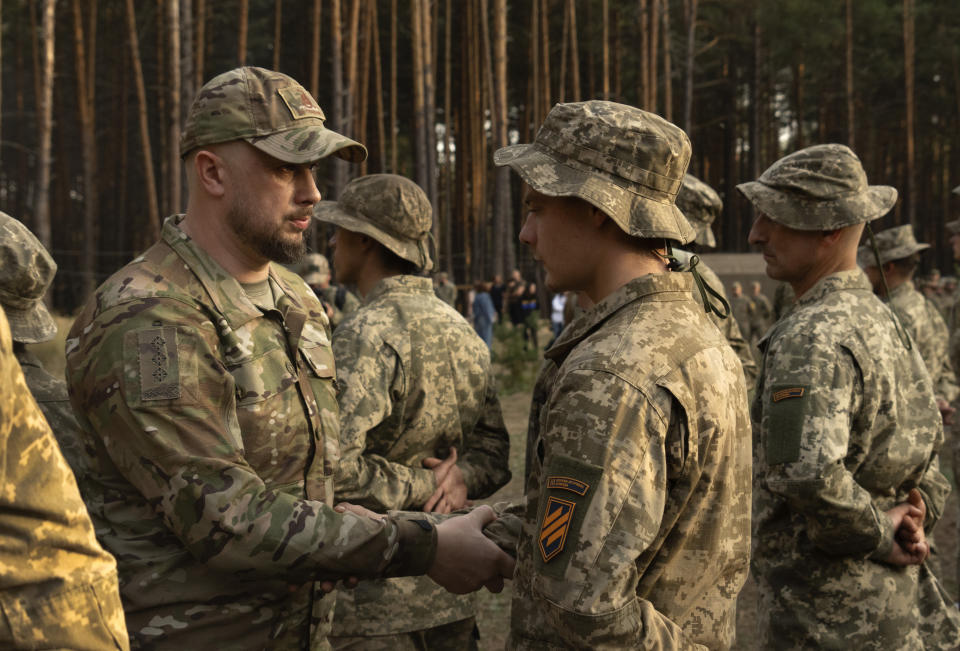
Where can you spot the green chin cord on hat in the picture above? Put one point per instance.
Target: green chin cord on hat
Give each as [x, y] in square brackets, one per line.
[706, 291]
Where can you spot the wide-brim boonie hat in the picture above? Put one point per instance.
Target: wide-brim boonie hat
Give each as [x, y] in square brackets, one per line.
[625, 161]
[269, 110]
[701, 205]
[26, 271]
[823, 187]
[391, 209]
[892, 244]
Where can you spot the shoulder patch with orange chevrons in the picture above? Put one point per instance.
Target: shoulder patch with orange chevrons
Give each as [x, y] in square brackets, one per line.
[556, 523]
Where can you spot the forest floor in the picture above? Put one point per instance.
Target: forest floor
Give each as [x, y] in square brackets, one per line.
[494, 609]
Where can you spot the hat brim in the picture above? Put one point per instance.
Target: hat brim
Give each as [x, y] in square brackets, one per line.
[552, 177]
[330, 212]
[309, 144]
[819, 215]
[956, 190]
[865, 257]
[33, 325]
[705, 235]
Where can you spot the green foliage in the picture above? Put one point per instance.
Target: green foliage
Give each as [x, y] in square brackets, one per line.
[516, 366]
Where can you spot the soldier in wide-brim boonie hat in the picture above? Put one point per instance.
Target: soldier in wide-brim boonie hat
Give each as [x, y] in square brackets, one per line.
[700, 204]
[269, 110]
[892, 244]
[26, 271]
[625, 161]
[391, 209]
[823, 187]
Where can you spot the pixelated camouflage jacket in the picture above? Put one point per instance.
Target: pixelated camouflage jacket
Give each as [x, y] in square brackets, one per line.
[845, 424]
[415, 380]
[216, 432]
[729, 326]
[350, 303]
[928, 330]
[952, 317]
[447, 293]
[58, 587]
[636, 519]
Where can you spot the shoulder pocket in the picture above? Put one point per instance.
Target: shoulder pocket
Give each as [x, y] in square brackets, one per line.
[320, 360]
[783, 428]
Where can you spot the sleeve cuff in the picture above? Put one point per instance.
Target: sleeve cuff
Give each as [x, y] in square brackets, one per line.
[886, 536]
[416, 548]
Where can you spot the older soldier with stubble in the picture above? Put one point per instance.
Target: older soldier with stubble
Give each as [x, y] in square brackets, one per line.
[202, 375]
[635, 527]
[846, 428]
[420, 421]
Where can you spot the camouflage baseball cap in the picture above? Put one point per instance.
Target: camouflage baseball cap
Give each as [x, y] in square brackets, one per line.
[314, 268]
[391, 209]
[269, 110]
[822, 187]
[701, 205]
[893, 244]
[627, 162]
[26, 271]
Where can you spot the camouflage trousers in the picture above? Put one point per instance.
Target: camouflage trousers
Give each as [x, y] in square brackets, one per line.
[456, 636]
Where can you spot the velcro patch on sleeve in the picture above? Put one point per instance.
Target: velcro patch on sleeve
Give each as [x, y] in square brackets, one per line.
[159, 362]
[783, 428]
[569, 487]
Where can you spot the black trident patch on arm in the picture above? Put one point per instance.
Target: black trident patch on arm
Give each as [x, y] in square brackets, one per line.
[784, 426]
[568, 489]
[159, 363]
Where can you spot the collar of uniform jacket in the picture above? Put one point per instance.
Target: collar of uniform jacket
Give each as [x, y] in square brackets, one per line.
[850, 279]
[667, 286]
[403, 283]
[224, 290]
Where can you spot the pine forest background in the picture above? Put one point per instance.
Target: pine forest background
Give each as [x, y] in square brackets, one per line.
[94, 93]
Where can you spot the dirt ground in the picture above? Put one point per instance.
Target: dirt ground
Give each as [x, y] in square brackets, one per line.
[494, 611]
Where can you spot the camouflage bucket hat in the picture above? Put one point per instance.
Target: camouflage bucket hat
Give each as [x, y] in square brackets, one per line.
[314, 269]
[269, 110]
[391, 209]
[627, 162]
[701, 205]
[822, 187]
[953, 227]
[956, 190]
[26, 271]
[892, 244]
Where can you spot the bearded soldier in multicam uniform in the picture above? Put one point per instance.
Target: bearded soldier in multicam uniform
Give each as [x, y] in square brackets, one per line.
[846, 429]
[635, 529]
[420, 422]
[203, 375]
[701, 205]
[58, 587]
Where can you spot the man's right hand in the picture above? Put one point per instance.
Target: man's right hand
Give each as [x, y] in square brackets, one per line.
[910, 546]
[467, 560]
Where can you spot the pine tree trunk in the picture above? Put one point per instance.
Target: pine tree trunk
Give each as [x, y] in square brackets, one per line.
[667, 69]
[574, 59]
[545, 66]
[419, 111]
[909, 53]
[243, 11]
[316, 17]
[187, 58]
[429, 105]
[394, 168]
[338, 118]
[173, 119]
[200, 47]
[691, 54]
[503, 232]
[605, 45]
[153, 213]
[45, 123]
[644, 91]
[161, 103]
[654, 49]
[381, 151]
[848, 40]
[278, 34]
[85, 108]
[450, 193]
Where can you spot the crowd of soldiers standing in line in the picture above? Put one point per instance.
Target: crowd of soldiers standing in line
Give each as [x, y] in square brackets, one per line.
[244, 458]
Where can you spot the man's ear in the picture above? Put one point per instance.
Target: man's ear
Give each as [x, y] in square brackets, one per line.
[597, 216]
[210, 172]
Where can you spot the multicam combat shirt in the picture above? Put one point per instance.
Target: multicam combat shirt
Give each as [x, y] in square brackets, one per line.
[845, 424]
[636, 524]
[415, 380]
[215, 430]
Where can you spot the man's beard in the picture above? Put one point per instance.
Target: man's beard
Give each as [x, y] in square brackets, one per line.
[273, 244]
